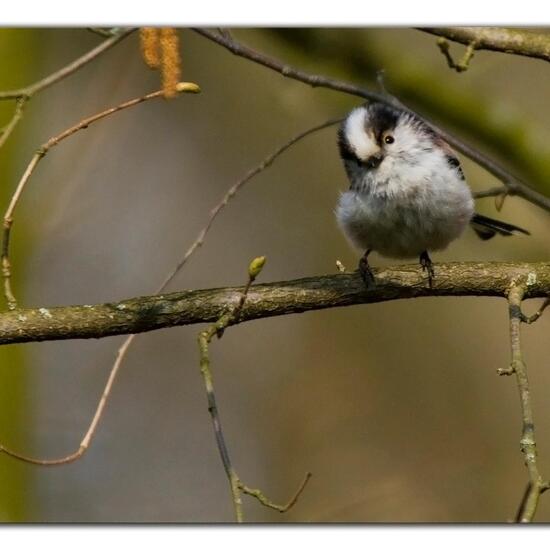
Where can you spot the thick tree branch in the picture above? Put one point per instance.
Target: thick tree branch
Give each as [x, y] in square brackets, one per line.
[513, 41]
[267, 300]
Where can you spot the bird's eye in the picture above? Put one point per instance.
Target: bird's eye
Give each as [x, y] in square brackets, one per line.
[389, 139]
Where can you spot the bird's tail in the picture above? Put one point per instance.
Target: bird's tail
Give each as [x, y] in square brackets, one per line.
[486, 228]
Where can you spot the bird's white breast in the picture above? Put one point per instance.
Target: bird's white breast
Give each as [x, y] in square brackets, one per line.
[410, 204]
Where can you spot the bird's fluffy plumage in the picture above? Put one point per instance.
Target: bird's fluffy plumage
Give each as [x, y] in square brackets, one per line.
[407, 191]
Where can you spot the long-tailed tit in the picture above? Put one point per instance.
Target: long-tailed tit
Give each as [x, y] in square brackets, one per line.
[407, 195]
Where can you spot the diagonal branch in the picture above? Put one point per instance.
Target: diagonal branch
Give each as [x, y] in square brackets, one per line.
[514, 184]
[16, 117]
[23, 95]
[498, 39]
[67, 70]
[234, 189]
[267, 300]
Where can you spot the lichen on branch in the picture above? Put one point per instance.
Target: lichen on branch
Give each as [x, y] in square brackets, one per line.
[188, 307]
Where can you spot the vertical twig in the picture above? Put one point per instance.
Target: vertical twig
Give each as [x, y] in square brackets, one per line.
[237, 487]
[528, 446]
[16, 117]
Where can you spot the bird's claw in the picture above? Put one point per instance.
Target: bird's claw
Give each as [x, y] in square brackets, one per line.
[427, 265]
[366, 273]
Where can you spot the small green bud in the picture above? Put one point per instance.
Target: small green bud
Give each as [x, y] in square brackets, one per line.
[256, 266]
[188, 87]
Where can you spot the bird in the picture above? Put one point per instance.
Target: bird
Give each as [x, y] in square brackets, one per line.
[408, 195]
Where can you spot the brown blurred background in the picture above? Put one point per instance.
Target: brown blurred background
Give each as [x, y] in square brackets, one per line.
[395, 408]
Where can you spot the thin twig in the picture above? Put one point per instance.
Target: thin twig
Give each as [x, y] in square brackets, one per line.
[234, 189]
[497, 191]
[107, 33]
[464, 63]
[521, 506]
[256, 493]
[536, 315]
[67, 70]
[85, 443]
[528, 444]
[514, 184]
[188, 87]
[204, 339]
[6, 270]
[123, 350]
[226, 33]
[16, 117]
[22, 95]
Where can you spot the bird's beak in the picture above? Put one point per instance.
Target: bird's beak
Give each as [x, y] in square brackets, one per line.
[374, 160]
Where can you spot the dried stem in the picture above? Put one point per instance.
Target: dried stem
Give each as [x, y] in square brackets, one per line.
[514, 184]
[536, 485]
[188, 87]
[237, 487]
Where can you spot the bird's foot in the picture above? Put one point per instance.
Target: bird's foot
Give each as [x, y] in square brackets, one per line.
[365, 271]
[427, 265]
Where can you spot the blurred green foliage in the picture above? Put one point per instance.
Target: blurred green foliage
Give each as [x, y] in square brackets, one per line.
[17, 68]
